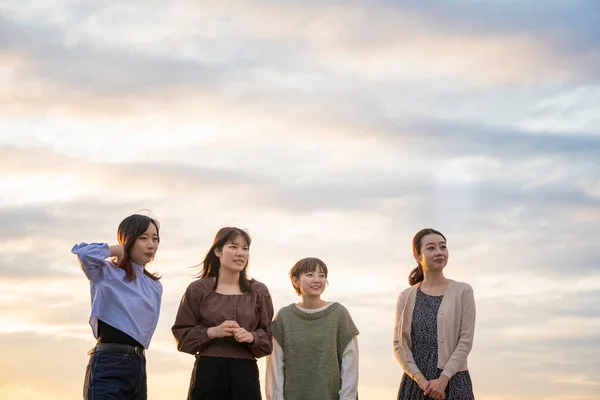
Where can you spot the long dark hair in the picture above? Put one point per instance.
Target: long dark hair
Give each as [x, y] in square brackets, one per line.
[129, 230]
[416, 275]
[211, 264]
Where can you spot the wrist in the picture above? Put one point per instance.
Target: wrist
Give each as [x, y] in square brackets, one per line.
[210, 333]
[115, 250]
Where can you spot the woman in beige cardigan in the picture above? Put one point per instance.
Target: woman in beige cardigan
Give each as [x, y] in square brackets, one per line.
[435, 322]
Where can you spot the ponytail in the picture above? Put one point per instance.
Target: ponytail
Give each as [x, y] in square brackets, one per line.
[416, 275]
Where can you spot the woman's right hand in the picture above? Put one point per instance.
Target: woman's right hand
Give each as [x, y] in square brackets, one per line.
[226, 329]
[117, 251]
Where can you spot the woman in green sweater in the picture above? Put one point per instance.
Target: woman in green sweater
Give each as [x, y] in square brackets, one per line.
[315, 350]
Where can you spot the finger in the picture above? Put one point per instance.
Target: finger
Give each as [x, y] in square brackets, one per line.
[247, 338]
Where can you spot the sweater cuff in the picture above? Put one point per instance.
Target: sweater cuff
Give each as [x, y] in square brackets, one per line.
[413, 370]
[256, 339]
[448, 373]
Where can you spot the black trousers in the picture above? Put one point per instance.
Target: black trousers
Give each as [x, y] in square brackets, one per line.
[215, 378]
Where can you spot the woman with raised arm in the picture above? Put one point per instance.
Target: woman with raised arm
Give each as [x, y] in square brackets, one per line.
[125, 307]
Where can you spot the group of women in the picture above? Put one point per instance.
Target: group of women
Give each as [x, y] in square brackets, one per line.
[225, 319]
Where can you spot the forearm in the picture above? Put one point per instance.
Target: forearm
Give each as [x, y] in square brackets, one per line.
[349, 372]
[458, 357]
[191, 339]
[92, 258]
[275, 373]
[263, 343]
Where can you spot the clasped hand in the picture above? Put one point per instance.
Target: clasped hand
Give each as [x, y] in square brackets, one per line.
[230, 329]
[434, 388]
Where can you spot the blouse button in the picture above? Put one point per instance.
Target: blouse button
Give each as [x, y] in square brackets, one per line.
[442, 339]
[442, 312]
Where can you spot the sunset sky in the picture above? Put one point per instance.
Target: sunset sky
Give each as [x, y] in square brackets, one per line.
[333, 129]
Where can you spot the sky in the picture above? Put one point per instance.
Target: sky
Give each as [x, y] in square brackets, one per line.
[325, 128]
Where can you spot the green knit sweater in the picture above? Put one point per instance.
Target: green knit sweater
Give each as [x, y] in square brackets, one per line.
[313, 345]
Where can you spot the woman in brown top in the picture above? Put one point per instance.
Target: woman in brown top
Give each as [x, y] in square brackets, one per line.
[223, 319]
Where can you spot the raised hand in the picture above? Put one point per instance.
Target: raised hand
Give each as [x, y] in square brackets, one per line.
[117, 252]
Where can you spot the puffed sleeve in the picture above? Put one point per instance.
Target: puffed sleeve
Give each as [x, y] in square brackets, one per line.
[191, 336]
[263, 343]
[92, 259]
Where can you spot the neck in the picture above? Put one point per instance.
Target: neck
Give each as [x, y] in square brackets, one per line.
[434, 278]
[228, 277]
[311, 302]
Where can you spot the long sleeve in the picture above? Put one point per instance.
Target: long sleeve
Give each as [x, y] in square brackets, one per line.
[275, 374]
[92, 258]
[465, 336]
[349, 371]
[401, 349]
[263, 345]
[191, 336]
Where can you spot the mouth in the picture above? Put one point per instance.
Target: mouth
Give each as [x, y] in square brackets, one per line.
[316, 287]
[149, 254]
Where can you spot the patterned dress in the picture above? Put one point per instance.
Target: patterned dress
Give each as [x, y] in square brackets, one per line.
[424, 348]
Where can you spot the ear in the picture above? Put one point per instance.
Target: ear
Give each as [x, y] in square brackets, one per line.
[417, 257]
[294, 281]
[218, 253]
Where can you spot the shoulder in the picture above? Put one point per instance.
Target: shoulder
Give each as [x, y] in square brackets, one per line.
[201, 286]
[461, 287]
[341, 310]
[284, 311]
[260, 288]
[408, 291]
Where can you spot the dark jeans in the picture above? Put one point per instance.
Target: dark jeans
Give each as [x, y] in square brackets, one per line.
[217, 378]
[115, 376]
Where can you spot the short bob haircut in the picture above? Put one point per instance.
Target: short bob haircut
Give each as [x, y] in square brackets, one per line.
[309, 264]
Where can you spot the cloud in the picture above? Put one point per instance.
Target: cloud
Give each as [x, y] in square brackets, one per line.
[327, 129]
[208, 60]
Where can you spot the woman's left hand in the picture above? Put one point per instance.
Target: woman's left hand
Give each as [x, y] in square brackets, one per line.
[243, 336]
[437, 388]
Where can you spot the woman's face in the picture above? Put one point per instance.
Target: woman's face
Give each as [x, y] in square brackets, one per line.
[312, 283]
[145, 246]
[234, 255]
[434, 253]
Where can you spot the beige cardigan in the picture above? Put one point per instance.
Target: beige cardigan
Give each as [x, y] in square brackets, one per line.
[455, 329]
